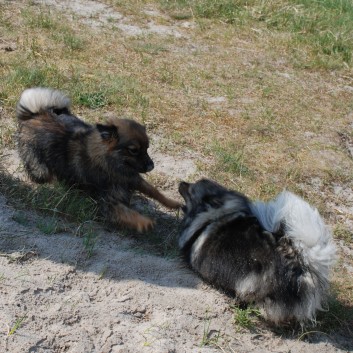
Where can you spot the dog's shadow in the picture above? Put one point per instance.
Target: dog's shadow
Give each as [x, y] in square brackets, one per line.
[28, 232]
[38, 221]
[333, 325]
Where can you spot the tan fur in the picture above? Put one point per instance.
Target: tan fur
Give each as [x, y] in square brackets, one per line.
[106, 160]
[152, 192]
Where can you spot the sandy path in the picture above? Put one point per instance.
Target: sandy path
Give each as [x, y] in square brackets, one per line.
[121, 299]
[117, 301]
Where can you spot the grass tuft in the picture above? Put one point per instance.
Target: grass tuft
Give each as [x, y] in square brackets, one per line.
[48, 226]
[89, 239]
[93, 100]
[52, 199]
[39, 20]
[18, 323]
[21, 218]
[230, 159]
[209, 337]
[341, 232]
[245, 318]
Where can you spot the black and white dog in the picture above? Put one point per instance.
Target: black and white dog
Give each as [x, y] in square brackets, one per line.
[276, 254]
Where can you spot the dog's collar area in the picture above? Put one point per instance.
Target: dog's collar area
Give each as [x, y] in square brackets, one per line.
[191, 239]
[188, 244]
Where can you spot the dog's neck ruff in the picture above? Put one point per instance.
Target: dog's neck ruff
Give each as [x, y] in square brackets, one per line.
[231, 210]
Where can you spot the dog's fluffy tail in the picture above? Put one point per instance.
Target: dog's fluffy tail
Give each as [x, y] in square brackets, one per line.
[300, 222]
[36, 100]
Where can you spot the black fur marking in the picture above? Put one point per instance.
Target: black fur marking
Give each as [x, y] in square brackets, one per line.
[239, 255]
[107, 131]
[60, 111]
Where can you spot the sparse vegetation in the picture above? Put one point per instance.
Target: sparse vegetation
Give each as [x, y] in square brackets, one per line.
[341, 232]
[21, 218]
[245, 317]
[2, 277]
[256, 92]
[230, 159]
[320, 29]
[89, 238]
[18, 323]
[209, 337]
[48, 226]
[336, 316]
[55, 200]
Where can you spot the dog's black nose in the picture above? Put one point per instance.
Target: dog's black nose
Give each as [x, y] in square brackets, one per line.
[149, 166]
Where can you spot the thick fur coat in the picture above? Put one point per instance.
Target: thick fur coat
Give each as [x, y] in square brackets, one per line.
[276, 254]
[104, 159]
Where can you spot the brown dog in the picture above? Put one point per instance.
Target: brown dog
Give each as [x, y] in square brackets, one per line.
[105, 160]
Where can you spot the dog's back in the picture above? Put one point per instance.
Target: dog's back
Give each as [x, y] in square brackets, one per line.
[46, 133]
[277, 254]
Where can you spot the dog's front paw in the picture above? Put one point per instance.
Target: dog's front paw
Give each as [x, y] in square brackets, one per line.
[144, 224]
[172, 204]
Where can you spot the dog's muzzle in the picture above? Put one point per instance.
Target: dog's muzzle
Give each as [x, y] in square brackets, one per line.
[150, 166]
[184, 189]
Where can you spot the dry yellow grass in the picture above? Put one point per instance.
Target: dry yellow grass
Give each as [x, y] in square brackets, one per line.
[232, 95]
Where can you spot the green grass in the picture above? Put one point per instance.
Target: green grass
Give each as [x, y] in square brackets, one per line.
[40, 66]
[41, 19]
[323, 29]
[45, 20]
[229, 159]
[98, 93]
[48, 226]
[93, 100]
[226, 10]
[2, 277]
[341, 232]
[103, 272]
[245, 318]
[23, 74]
[103, 91]
[209, 337]
[89, 239]
[73, 42]
[149, 48]
[52, 199]
[21, 218]
[18, 323]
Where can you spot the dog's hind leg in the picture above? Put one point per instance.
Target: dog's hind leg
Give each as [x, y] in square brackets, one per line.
[38, 173]
[37, 170]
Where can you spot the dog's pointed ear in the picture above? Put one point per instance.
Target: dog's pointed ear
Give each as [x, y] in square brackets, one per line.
[107, 132]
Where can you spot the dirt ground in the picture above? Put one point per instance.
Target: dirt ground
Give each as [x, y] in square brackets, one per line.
[55, 298]
[120, 300]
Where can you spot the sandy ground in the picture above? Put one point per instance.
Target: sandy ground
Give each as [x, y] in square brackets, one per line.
[119, 300]
[122, 299]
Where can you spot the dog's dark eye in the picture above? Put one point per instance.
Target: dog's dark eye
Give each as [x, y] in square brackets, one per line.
[133, 150]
